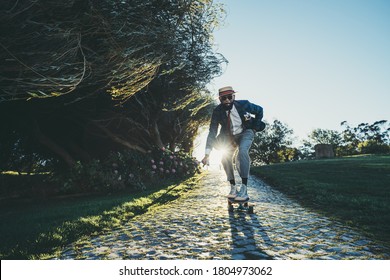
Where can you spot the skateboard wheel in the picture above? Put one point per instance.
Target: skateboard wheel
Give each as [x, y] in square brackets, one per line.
[250, 209]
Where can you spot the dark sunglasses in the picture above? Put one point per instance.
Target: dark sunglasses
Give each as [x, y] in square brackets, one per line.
[223, 98]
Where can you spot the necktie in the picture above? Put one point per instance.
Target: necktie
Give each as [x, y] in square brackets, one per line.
[229, 127]
[229, 123]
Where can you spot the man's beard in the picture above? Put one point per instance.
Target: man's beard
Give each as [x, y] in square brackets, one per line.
[228, 107]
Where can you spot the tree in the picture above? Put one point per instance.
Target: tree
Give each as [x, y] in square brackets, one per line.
[83, 78]
[366, 138]
[273, 145]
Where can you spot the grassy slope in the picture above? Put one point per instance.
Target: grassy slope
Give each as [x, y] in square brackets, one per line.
[353, 189]
[37, 230]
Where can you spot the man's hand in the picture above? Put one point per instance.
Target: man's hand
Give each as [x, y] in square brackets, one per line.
[205, 160]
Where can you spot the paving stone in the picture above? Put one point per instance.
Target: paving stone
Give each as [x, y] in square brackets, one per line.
[255, 255]
[239, 257]
[296, 256]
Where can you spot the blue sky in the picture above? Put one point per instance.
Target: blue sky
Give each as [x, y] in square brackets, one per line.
[310, 64]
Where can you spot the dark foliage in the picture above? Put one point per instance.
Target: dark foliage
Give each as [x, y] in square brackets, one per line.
[82, 79]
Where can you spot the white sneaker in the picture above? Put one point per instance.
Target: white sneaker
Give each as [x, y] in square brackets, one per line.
[233, 191]
[242, 194]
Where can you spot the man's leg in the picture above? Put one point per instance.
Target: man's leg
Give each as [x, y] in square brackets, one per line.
[227, 162]
[245, 142]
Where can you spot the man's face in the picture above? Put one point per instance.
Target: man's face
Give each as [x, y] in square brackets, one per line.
[227, 100]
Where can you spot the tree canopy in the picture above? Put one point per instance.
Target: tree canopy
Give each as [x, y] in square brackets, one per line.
[79, 79]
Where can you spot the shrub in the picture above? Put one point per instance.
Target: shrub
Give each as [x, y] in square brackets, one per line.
[373, 147]
[166, 164]
[127, 170]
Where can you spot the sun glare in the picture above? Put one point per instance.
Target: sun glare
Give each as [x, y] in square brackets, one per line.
[216, 156]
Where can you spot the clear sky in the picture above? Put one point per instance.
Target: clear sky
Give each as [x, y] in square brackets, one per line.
[309, 63]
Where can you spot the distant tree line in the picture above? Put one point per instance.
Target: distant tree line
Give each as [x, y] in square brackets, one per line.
[80, 79]
[276, 143]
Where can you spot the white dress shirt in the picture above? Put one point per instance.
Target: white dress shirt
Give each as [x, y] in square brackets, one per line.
[236, 123]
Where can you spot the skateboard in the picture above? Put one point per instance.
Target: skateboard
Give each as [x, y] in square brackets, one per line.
[241, 205]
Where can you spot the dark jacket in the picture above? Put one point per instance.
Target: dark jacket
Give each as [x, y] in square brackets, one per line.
[219, 118]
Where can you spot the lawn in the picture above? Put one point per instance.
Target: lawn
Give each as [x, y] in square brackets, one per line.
[355, 190]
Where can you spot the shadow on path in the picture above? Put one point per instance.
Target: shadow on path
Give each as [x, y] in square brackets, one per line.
[247, 231]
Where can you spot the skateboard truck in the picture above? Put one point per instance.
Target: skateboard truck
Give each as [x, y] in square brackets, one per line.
[242, 205]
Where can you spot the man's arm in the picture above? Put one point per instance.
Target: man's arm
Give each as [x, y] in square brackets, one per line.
[213, 129]
[256, 110]
[257, 124]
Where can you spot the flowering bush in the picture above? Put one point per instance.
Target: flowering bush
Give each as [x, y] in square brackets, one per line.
[167, 164]
[128, 170]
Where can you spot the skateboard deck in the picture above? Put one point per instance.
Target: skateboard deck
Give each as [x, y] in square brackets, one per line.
[240, 205]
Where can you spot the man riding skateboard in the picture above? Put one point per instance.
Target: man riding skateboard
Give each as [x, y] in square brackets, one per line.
[239, 121]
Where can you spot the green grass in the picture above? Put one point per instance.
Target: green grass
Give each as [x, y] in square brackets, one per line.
[39, 230]
[355, 190]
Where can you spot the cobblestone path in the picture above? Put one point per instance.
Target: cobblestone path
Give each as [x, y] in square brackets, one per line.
[199, 226]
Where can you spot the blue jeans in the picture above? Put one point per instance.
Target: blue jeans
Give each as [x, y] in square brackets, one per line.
[240, 153]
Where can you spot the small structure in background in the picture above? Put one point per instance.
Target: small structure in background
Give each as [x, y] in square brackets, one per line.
[324, 151]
